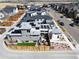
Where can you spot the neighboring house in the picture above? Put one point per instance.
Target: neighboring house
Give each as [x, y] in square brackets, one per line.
[7, 12]
[10, 10]
[2, 15]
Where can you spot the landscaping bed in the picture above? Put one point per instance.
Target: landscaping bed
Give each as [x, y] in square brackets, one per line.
[25, 44]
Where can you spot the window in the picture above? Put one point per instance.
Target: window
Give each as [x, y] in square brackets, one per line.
[27, 41]
[37, 19]
[41, 26]
[34, 35]
[44, 26]
[17, 31]
[32, 24]
[37, 28]
[28, 30]
[34, 41]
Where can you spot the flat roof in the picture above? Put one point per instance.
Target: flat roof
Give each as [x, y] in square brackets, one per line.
[56, 31]
[27, 17]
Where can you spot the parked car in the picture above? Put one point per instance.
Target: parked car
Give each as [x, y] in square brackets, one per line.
[62, 23]
[72, 24]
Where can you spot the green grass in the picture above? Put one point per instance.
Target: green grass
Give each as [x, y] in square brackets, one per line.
[25, 44]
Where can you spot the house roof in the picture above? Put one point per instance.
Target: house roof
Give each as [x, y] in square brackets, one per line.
[9, 9]
[25, 25]
[46, 17]
[5, 16]
[56, 31]
[36, 8]
[27, 17]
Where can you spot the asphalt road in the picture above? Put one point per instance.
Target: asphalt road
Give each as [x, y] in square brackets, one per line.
[74, 32]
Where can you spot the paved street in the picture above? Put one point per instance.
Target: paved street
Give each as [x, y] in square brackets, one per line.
[74, 32]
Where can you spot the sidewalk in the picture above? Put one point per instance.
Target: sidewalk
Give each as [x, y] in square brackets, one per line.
[53, 14]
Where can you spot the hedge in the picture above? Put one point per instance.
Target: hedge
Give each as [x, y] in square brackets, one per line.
[25, 44]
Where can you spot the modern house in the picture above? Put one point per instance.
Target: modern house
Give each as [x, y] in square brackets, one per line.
[34, 26]
[2, 14]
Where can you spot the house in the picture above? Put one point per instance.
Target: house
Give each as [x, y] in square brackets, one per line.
[10, 10]
[35, 8]
[7, 12]
[34, 26]
[2, 15]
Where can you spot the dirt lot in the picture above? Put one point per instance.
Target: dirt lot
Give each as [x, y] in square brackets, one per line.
[11, 20]
[39, 48]
[29, 48]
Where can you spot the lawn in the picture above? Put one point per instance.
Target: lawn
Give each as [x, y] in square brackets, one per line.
[25, 44]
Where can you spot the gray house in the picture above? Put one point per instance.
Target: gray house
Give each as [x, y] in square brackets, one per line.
[7, 12]
[10, 10]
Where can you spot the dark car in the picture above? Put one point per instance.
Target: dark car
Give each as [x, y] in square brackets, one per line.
[72, 24]
[62, 23]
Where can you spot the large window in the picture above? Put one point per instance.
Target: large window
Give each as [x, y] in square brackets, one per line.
[28, 30]
[17, 31]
